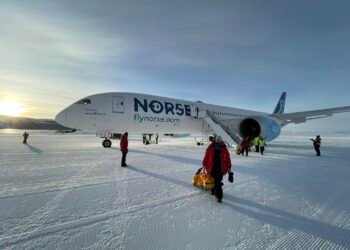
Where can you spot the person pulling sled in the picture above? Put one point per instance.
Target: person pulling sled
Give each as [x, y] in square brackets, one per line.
[217, 162]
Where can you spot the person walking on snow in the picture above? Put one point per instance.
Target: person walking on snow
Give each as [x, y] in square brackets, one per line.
[256, 143]
[25, 137]
[245, 145]
[262, 144]
[124, 148]
[217, 162]
[317, 144]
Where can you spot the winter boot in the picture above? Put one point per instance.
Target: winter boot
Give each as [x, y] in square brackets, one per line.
[219, 194]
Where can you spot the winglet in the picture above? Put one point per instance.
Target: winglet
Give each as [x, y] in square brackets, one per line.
[279, 109]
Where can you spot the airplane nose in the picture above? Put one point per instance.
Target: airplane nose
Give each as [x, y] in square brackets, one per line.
[61, 118]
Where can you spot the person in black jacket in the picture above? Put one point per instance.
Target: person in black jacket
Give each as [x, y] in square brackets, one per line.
[25, 137]
[317, 144]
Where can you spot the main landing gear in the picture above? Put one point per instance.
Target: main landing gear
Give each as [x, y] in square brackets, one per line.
[106, 143]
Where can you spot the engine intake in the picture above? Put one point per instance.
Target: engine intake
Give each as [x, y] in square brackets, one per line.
[259, 125]
[249, 127]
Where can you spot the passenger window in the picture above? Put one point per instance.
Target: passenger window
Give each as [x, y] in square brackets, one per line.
[84, 101]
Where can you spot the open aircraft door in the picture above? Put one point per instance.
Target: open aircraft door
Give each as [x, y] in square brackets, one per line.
[118, 104]
[194, 111]
[197, 113]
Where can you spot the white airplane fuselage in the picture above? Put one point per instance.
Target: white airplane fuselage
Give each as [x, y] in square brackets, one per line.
[110, 113]
[140, 113]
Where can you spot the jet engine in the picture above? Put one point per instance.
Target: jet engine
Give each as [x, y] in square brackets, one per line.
[259, 125]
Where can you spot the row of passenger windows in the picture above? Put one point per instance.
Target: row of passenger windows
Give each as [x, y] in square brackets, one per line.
[228, 114]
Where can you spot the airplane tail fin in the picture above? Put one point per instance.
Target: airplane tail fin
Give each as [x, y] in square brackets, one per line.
[279, 109]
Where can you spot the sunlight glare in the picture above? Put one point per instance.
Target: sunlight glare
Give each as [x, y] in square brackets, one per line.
[11, 108]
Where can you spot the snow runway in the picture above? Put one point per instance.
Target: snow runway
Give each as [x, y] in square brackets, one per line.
[66, 191]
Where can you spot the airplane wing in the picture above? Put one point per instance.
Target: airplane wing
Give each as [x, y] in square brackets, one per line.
[301, 117]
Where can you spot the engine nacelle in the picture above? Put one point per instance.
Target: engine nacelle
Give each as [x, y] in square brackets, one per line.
[259, 125]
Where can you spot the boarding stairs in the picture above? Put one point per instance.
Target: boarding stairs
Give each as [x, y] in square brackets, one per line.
[228, 133]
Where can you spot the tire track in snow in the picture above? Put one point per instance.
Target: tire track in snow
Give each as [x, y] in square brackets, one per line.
[317, 230]
[113, 234]
[328, 215]
[37, 220]
[183, 227]
[56, 190]
[333, 218]
[45, 231]
[83, 186]
[288, 240]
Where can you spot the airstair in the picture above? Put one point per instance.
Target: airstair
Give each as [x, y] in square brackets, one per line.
[228, 133]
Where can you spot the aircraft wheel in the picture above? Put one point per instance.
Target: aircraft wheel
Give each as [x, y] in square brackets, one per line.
[106, 143]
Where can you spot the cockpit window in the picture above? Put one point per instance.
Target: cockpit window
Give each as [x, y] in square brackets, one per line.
[84, 101]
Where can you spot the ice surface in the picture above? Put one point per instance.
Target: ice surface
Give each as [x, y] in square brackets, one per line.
[67, 192]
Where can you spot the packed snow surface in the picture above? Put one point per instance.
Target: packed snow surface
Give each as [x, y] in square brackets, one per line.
[67, 192]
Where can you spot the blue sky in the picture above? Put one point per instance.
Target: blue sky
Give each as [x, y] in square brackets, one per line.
[234, 53]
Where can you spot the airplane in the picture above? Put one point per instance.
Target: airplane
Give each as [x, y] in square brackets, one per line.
[118, 112]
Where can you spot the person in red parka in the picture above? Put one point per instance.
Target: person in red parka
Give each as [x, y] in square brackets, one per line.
[217, 162]
[124, 148]
[245, 144]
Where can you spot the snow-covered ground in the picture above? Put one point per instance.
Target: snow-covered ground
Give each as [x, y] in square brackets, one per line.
[67, 192]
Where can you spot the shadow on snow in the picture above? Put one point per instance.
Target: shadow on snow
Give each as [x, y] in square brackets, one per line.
[271, 215]
[34, 149]
[171, 157]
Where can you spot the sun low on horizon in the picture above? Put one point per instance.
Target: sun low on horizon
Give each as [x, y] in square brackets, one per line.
[11, 108]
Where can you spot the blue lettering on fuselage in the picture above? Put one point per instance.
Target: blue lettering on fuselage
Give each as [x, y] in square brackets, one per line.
[169, 107]
[179, 109]
[158, 107]
[143, 105]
